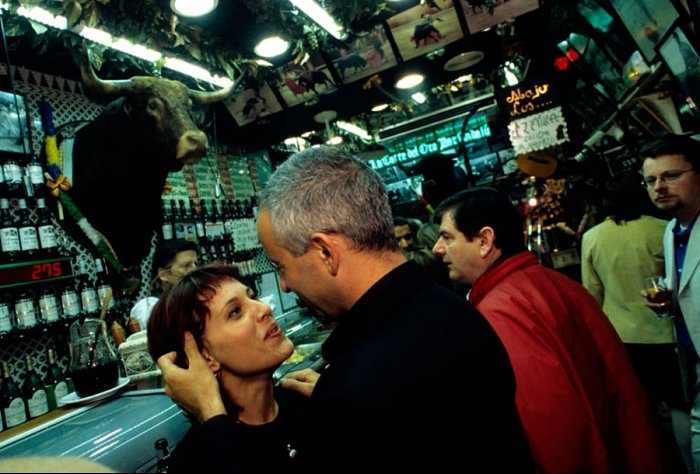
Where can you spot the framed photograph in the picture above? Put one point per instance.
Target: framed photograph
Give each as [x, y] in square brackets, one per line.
[298, 83]
[252, 103]
[14, 128]
[481, 15]
[424, 28]
[365, 56]
[648, 21]
[683, 61]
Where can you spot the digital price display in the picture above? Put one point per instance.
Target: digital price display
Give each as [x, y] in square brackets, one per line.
[40, 271]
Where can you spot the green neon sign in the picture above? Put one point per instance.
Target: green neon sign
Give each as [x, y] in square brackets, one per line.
[439, 140]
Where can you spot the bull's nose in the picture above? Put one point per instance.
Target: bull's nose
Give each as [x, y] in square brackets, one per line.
[192, 146]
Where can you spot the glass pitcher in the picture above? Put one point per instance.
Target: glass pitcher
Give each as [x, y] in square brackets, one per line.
[93, 364]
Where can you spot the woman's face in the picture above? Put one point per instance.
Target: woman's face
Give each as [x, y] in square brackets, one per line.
[241, 336]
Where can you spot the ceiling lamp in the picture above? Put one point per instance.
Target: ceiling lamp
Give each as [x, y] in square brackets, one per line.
[419, 98]
[354, 129]
[409, 81]
[271, 47]
[325, 117]
[322, 18]
[193, 8]
[463, 60]
[380, 107]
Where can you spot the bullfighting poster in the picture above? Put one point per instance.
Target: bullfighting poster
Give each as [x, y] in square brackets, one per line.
[298, 83]
[365, 56]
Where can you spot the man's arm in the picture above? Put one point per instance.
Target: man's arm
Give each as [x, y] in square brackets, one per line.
[195, 388]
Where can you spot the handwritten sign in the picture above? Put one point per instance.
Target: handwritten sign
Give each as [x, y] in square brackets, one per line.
[523, 102]
[539, 131]
[245, 235]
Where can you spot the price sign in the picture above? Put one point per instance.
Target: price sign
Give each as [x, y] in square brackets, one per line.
[245, 235]
[41, 271]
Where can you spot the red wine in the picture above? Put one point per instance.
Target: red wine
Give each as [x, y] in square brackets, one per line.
[95, 379]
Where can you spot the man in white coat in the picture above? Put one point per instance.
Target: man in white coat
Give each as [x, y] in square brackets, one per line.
[671, 174]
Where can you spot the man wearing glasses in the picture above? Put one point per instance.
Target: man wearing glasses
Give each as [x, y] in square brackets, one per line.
[671, 174]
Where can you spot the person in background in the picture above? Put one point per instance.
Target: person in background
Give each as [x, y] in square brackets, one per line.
[416, 379]
[171, 261]
[671, 174]
[616, 254]
[582, 406]
[241, 344]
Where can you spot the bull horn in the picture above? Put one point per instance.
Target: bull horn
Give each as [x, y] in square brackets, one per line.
[200, 97]
[105, 88]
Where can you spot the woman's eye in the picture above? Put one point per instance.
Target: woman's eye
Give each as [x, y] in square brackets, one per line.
[235, 312]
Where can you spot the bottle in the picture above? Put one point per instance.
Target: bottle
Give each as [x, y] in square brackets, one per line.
[200, 225]
[7, 317]
[14, 409]
[70, 301]
[34, 391]
[118, 334]
[28, 236]
[9, 234]
[25, 310]
[46, 230]
[89, 300]
[13, 176]
[103, 285]
[217, 221]
[49, 308]
[3, 185]
[133, 325]
[168, 228]
[56, 381]
[181, 227]
[35, 172]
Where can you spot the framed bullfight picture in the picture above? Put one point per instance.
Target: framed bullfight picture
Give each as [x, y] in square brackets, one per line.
[298, 83]
[365, 56]
[424, 28]
[482, 14]
[254, 102]
[648, 21]
[14, 128]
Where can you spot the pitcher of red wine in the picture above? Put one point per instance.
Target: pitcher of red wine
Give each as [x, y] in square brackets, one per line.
[93, 364]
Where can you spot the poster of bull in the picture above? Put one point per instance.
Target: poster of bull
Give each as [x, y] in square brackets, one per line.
[365, 56]
[483, 14]
[298, 83]
[14, 130]
[424, 28]
[252, 103]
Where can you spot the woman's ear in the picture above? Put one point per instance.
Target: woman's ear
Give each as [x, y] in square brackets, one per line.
[213, 364]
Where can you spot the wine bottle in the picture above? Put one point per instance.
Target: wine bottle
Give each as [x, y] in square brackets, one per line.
[36, 176]
[180, 224]
[217, 221]
[9, 234]
[89, 300]
[167, 229]
[103, 285]
[56, 381]
[25, 310]
[34, 391]
[49, 308]
[13, 176]
[14, 409]
[70, 301]
[46, 230]
[6, 315]
[28, 236]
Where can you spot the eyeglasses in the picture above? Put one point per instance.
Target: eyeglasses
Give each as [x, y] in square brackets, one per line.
[668, 177]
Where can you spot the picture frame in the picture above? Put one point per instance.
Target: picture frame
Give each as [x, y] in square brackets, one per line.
[480, 16]
[366, 55]
[683, 61]
[648, 21]
[14, 127]
[298, 83]
[253, 103]
[424, 28]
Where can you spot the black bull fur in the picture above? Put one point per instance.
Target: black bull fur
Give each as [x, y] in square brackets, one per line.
[122, 158]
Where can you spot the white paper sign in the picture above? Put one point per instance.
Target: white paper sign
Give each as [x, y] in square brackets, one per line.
[245, 235]
[538, 131]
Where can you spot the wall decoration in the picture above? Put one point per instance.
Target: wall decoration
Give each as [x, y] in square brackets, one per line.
[253, 103]
[14, 128]
[481, 15]
[539, 131]
[648, 21]
[425, 28]
[366, 55]
[683, 61]
[298, 83]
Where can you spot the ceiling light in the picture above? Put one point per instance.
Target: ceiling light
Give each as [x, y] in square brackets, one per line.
[379, 107]
[44, 17]
[419, 97]
[193, 7]
[354, 129]
[195, 71]
[271, 46]
[316, 12]
[408, 81]
[335, 140]
[263, 63]
[465, 78]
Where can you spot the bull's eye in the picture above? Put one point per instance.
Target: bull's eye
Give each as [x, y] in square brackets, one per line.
[152, 105]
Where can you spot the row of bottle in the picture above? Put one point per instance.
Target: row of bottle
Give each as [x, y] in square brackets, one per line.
[199, 223]
[36, 396]
[28, 308]
[23, 238]
[21, 176]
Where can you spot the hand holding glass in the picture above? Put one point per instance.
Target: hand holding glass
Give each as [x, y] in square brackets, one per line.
[658, 295]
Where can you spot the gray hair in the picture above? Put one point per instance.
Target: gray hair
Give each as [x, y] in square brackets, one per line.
[328, 190]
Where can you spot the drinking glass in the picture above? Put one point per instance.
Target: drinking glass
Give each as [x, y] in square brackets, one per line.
[656, 292]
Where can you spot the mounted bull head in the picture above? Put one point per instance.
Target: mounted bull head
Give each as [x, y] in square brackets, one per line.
[122, 158]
